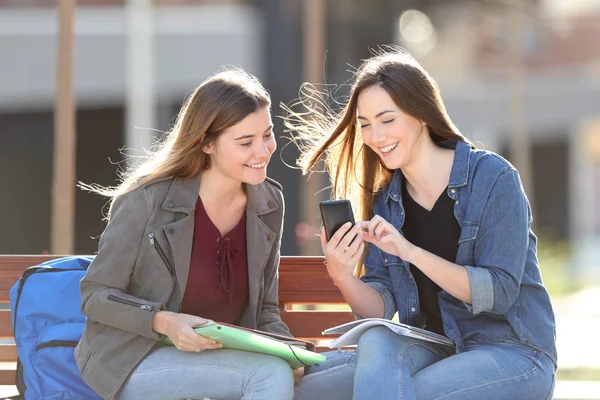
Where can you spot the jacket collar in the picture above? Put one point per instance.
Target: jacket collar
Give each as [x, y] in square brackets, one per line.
[183, 194]
[458, 175]
[260, 200]
[460, 168]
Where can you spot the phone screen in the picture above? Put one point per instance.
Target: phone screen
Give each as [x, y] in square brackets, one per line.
[334, 214]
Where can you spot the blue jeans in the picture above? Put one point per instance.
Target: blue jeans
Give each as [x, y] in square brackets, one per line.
[223, 374]
[390, 366]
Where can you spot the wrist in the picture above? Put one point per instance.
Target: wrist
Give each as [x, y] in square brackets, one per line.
[343, 280]
[414, 255]
[161, 321]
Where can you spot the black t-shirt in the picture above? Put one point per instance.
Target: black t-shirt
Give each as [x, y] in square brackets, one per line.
[438, 232]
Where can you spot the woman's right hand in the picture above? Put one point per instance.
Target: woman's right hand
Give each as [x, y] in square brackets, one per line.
[343, 251]
[179, 328]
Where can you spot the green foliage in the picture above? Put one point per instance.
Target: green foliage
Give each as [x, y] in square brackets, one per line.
[578, 374]
[554, 257]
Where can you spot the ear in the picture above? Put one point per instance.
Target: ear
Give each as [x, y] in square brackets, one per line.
[209, 148]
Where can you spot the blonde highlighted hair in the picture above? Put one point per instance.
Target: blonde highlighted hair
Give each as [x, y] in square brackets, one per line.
[216, 104]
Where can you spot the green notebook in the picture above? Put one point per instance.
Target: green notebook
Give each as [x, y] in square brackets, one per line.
[292, 350]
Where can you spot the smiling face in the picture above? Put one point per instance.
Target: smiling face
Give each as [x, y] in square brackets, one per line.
[242, 152]
[388, 131]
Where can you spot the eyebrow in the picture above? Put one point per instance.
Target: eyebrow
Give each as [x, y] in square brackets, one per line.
[251, 136]
[378, 115]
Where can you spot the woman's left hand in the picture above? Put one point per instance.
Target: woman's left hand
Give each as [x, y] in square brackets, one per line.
[387, 238]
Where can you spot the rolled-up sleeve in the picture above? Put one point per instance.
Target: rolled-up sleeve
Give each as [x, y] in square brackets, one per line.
[389, 303]
[501, 247]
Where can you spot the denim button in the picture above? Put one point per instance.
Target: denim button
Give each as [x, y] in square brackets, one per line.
[452, 190]
[456, 202]
[385, 260]
[413, 309]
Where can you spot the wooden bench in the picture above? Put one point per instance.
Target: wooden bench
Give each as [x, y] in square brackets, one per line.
[303, 284]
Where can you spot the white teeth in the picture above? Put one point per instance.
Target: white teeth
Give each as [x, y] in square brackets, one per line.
[389, 148]
[257, 166]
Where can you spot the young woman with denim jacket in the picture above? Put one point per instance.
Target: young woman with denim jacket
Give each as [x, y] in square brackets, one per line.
[194, 235]
[471, 270]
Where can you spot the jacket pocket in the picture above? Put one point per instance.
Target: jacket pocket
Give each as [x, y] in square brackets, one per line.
[468, 231]
[466, 243]
[132, 303]
[155, 244]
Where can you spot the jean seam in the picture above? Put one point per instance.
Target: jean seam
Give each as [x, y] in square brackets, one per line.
[551, 391]
[401, 364]
[527, 373]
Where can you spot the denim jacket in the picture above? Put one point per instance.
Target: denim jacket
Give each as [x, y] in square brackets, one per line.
[496, 246]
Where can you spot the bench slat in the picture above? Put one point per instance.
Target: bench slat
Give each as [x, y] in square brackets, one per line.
[8, 353]
[7, 373]
[5, 325]
[305, 280]
[11, 269]
[310, 324]
[302, 279]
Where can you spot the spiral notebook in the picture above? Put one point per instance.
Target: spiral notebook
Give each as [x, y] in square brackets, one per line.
[351, 331]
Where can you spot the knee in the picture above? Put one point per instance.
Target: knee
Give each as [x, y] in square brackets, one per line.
[377, 339]
[275, 377]
[374, 345]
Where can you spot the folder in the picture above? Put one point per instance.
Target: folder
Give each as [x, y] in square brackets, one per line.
[298, 353]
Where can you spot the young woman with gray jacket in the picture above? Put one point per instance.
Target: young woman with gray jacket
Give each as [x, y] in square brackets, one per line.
[194, 235]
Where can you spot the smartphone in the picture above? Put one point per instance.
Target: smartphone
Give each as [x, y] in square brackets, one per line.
[335, 213]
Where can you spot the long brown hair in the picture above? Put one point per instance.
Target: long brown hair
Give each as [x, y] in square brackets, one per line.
[356, 171]
[216, 104]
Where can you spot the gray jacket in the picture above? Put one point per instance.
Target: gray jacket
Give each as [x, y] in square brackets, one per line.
[142, 267]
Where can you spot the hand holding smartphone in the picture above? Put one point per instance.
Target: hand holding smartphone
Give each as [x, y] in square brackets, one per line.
[335, 213]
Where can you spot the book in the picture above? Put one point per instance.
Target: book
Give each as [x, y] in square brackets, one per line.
[351, 331]
[298, 353]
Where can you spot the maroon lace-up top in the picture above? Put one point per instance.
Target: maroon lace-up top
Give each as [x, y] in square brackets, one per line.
[217, 286]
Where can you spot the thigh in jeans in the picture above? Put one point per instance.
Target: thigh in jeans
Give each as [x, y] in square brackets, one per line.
[501, 371]
[223, 374]
[386, 363]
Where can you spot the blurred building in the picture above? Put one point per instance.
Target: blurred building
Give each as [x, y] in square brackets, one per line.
[191, 41]
[463, 43]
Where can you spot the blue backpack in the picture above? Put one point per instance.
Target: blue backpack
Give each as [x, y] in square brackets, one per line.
[48, 324]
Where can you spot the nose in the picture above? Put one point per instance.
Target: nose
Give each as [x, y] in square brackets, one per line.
[377, 134]
[262, 150]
